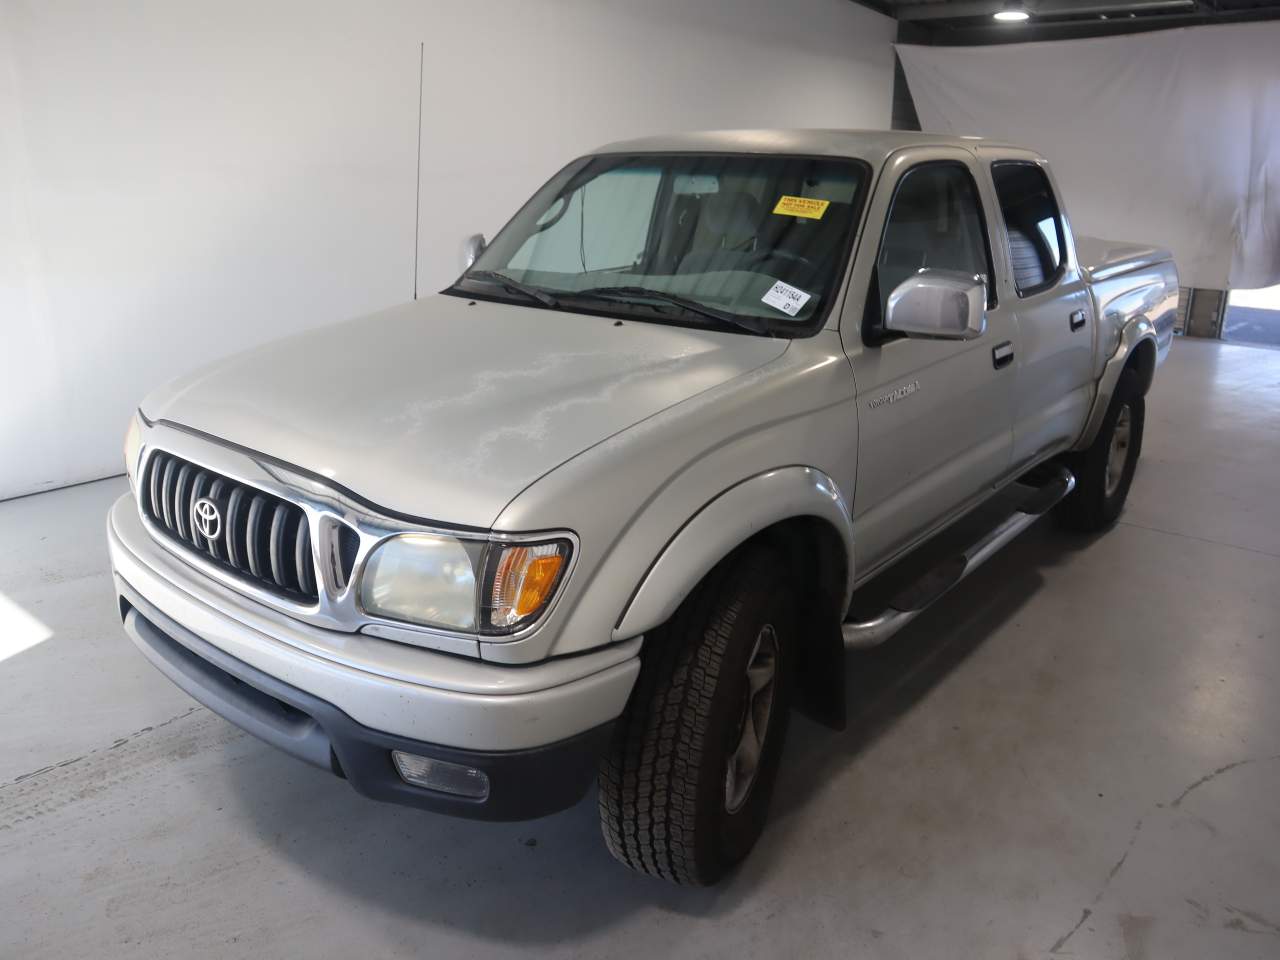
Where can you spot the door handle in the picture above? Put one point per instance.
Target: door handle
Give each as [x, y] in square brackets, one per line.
[1002, 354]
[1077, 319]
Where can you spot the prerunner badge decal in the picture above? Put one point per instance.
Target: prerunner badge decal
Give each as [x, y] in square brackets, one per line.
[790, 300]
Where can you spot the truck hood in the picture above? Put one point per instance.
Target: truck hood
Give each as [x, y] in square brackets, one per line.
[444, 408]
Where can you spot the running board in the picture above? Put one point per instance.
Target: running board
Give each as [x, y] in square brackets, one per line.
[911, 601]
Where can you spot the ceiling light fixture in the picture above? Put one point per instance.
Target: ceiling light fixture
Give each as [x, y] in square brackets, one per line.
[1012, 12]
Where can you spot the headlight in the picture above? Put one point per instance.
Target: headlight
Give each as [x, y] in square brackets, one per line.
[132, 446]
[469, 585]
[423, 578]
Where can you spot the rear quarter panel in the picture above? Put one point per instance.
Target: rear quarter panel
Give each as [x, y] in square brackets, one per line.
[1149, 292]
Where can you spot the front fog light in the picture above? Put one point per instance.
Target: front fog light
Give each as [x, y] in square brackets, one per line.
[452, 778]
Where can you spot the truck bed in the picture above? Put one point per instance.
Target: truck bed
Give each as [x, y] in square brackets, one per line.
[1101, 259]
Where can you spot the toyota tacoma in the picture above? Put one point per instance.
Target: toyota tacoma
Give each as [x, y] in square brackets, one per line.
[709, 412]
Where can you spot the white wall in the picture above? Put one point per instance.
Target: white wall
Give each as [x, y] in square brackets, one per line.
[180, 180]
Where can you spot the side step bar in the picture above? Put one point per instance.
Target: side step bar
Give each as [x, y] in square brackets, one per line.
[914, 599]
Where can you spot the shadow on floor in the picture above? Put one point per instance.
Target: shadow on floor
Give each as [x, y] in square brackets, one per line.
[552, 879]
[885, 683]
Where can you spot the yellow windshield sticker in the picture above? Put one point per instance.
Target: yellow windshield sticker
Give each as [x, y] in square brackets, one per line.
[809, 207]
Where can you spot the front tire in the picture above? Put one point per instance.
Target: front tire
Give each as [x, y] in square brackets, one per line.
[685, 788]
[1104, 472]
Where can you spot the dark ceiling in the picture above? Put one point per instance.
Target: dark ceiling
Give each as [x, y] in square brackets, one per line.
[971, 21]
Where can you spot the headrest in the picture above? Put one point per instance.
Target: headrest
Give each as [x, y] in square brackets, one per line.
[733, 215]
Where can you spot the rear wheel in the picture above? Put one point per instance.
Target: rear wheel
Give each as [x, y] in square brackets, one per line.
[684, 791]
[1105, 470]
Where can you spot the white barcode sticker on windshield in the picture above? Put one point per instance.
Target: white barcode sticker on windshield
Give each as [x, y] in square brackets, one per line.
[790, 300]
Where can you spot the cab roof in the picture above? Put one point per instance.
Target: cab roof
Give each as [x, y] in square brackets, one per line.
[870, 145]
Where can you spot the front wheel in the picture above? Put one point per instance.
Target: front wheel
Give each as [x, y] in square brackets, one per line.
[684, 790]
[1105, 470]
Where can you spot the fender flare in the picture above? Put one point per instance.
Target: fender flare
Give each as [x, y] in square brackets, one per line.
[727, 521]
[1132, 335]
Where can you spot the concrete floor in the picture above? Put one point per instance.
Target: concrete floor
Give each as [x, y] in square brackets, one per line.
[1076, 754]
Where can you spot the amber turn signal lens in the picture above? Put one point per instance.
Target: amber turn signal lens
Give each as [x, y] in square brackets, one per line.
[539, 578]
[524, 581]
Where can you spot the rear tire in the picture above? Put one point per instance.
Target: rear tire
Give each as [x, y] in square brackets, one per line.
[1104, 472]
[685, 788]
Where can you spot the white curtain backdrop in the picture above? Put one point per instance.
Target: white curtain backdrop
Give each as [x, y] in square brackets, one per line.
[1170, 137]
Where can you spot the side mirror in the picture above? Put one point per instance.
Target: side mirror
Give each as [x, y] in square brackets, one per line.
[472, 247]
[943, 304]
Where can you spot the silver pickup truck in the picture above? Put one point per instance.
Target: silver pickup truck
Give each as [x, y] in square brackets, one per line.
[707, 413]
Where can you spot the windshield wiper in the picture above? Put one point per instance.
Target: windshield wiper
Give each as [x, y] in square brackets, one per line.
[628, 294]
[514, 285]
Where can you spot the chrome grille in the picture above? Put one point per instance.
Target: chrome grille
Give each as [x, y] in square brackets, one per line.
[258, 535]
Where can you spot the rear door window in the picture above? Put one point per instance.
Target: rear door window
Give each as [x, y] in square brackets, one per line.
[1032, 224]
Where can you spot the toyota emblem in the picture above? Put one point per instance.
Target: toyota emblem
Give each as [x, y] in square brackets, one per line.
[207, 518]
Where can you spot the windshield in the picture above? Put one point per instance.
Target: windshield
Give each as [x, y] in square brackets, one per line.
[754, 242]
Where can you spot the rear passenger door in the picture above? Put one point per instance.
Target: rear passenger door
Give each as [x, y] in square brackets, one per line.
[1054, 382]
[934, 421]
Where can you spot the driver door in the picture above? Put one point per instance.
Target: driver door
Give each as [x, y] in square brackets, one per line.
[934, 416]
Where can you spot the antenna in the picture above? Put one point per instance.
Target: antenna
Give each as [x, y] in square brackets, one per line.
[417, 171]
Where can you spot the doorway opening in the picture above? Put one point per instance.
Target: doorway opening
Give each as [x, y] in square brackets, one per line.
[1253, 316]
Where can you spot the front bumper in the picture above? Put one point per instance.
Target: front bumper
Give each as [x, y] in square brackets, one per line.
[523, 784]
[343, 702]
